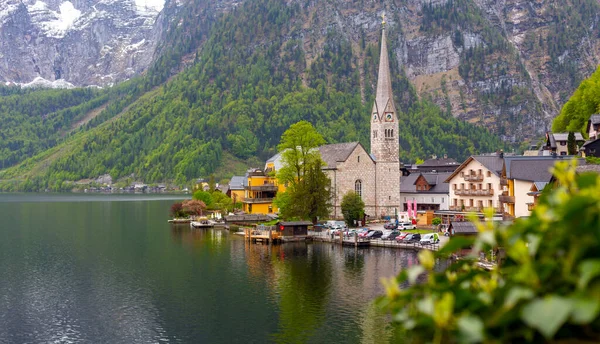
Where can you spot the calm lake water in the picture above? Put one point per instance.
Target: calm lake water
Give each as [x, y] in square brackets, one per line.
[110, 269]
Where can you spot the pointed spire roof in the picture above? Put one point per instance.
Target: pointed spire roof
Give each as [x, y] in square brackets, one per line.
[384, 100]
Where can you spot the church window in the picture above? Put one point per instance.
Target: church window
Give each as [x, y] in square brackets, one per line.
[359, 158]
[358, 188]
[390, 198]
[374, 134]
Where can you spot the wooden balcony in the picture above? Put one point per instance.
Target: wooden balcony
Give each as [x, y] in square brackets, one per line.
[473, 177]
[506, 199]
[530, 206]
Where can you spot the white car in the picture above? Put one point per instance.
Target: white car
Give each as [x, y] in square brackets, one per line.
[428, 239]
[406, 225]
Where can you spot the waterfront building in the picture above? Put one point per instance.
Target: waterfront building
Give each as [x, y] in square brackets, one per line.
[429, 189]
[556, 143]
[374, 176]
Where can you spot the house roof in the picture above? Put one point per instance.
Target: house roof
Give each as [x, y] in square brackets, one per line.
[588, 168]
[494, 163]
[237, 183]
[595, 119]
[436, 180]
[463, 227]
[535, 169]
[565, 137]
[295, 223]
[439, 162]
[540, 185]
[337, 152]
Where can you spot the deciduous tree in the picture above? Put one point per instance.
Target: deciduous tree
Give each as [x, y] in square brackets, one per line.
[353, 207]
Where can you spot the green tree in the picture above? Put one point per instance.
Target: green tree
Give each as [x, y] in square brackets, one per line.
[203, 196]
[547, 288]
[571, 144]
[353, 207]
[584, 102]
[308, 188]
[221, 202]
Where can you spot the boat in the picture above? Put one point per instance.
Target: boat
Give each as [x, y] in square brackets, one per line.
[202, 223]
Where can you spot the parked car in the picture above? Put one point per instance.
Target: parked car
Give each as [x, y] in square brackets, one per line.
[390, 235]
[390, 225]
[406, 225]
[374, 234]
[351, 232]
[363, 234]
[428, 239]
[416, 237]
[401, 236]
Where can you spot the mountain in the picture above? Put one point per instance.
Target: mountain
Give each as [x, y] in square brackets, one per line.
[228, 78]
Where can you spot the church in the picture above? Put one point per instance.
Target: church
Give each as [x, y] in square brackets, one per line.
[375, 176]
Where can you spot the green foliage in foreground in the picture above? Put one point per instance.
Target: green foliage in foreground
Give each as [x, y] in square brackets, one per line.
[547, 289]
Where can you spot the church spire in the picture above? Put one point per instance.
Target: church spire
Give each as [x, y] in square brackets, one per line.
[384, 97]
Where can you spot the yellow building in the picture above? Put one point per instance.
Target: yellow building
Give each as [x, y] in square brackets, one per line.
[261, 187]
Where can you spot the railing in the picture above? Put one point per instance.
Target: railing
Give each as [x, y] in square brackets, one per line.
[506, 199]
[265, 187]
[256, 174]
[530, 206]
[258, 200]
[473, 177]
[476, 192]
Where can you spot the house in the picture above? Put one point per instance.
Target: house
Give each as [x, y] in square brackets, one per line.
[475, 184]
[462, 228]
[593, 127]
[260, 188]
[429, 189]
[592, 148]
[293, 228]
[556, 143]
[518, 175]
[535, 191]
[438, 165]
[236, 190]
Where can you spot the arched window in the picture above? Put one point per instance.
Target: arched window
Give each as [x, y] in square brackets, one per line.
[358, 188]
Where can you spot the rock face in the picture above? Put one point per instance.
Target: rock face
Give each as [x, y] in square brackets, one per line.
[79, 42]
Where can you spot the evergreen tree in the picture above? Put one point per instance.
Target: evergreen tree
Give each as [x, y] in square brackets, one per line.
[571, 144]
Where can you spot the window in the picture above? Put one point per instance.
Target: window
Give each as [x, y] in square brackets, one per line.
[563, 143]
[490, 204]
[453, 186]
[462, 174]
[358, 188]
[374, 134]
[563, 153]
[442, 199]
[389, 198]
[479, 172]
[455, 201]
[432, 200]
[389, 133]
[489, 186]
[359, 158]
[489, 173]
[470, 202]
[479, 187]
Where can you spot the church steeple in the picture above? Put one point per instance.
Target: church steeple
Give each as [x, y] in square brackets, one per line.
[384, 119]
[384, 100]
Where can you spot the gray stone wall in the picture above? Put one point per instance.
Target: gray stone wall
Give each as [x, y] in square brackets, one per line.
[388, 188]
[358, 166]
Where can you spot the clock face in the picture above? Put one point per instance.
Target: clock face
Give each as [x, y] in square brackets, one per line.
[388, 116]
[374, 117]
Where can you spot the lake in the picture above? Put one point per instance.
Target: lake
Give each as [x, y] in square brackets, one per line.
[79, 268]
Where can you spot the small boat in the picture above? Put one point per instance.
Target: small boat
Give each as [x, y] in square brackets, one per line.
[202, 223]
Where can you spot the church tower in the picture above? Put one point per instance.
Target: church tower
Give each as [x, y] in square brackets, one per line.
[385, 146]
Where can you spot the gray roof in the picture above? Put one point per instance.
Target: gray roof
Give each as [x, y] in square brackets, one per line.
[384, 96]
[565, 137]
[535, 169]
[588, 168]
[439, 162]
[540, 185]
[595, 119]
[436, 180]
[463, 227]
[237, 183]
[335, 152]
[493, 163]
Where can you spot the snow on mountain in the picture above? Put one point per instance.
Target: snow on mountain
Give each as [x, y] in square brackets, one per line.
[77, 42]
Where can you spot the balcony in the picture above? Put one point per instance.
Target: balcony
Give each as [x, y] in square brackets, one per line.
[473, 177]
[258, 200]
[530, 206]
[474, 192]
[503, 181]
[265, 187]
[506, 199]
[474, 209]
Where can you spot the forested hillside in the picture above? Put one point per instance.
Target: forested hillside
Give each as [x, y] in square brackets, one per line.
[258, 69]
